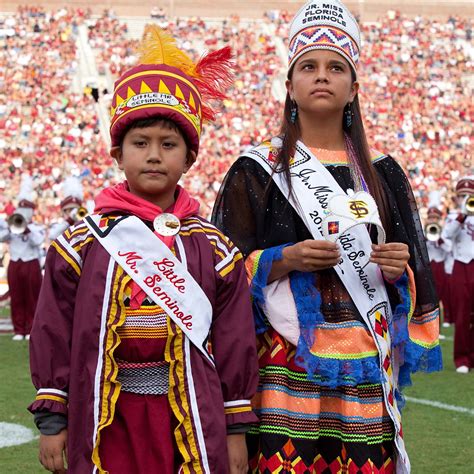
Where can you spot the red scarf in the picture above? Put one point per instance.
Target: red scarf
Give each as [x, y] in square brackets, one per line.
[119, 198]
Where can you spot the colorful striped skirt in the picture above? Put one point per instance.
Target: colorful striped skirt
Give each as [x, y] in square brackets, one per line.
[305, 427]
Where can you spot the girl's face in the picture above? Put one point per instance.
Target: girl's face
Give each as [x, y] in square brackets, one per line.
[321, 83]
[153, 160]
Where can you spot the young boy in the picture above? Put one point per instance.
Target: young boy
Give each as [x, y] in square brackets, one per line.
[143, 348]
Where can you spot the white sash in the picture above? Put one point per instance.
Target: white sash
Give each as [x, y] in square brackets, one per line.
[313, 186]
[152, 265]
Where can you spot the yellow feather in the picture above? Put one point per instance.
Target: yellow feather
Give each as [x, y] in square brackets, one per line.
[159, 47]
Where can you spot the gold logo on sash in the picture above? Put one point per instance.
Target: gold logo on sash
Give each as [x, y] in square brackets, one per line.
[359, 209]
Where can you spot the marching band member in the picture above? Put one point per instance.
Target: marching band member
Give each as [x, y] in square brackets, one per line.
[143, 350]
[25, 240]
[459, 232]
[438, 252]
[71, 207]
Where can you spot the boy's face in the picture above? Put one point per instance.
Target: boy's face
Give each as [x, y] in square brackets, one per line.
[153, 160]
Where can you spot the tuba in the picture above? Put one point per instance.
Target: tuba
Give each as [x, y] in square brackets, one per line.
[17, 223]
[432, 232]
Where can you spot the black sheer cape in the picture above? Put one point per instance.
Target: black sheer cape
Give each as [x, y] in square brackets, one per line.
[253, 212]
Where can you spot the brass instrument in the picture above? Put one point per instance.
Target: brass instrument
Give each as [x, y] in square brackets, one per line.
[17, 223]
[77, 213]
[81, 213]
[468, 205]
[432, 232]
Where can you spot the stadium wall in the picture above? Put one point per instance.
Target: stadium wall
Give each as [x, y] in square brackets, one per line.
[368, 9]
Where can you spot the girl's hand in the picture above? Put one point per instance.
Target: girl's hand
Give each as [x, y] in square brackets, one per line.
[312, 255]
[392, 259]
[53, 452]
[306, 256]
[238, 457]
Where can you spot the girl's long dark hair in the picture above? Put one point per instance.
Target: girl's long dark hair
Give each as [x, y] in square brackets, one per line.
[291, 132]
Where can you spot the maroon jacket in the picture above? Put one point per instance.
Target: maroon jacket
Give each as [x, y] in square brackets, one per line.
[75, 333]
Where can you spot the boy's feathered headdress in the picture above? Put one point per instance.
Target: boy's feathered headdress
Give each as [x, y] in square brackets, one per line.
[167, 83]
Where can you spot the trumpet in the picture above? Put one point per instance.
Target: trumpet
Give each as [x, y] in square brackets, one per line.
[81, 213]
[468, 205]
[432, 232]
[17, 223]
[77, 213]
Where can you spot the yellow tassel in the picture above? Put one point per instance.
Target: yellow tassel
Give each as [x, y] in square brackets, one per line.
[159, 47]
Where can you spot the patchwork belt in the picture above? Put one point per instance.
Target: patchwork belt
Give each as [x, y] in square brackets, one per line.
[148, 378]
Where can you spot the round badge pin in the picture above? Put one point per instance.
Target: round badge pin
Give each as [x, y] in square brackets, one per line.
[166, 224]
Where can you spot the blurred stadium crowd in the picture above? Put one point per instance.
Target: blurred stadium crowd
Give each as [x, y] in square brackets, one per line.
[416, 92]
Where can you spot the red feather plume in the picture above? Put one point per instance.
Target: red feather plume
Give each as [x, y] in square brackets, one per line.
[214, 74]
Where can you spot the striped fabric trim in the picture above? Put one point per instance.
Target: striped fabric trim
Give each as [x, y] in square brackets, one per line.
[107, 386]
[287, 403]
[78, 236]
[68, 254]
[322, 433]
[235, 403]
[297, 383]
[423, 329]
[54, 391]
[179, 402]
[251, 264]
[150, 320]
[228, 264]
[233, 410]
[196, 417]
[144, 310]
[220, 249]
[52, 394]
[146, 322]
[412, 291]
[191, 221]
[227, 254]
[78, 233]
[77, 247]
[331, 342]
[144, 379]
[98, 373]
[77, 230]
[142, 333]
[322, 415]
[52, 397]
[237, 406]
[425, 318]
[355, 356]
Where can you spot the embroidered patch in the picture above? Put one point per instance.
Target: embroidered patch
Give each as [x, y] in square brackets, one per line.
[333, 227]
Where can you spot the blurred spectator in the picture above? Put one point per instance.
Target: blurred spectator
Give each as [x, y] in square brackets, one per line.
[414, 80]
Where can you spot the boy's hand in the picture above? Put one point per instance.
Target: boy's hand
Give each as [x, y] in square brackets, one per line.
[238, 457]
[53, 451]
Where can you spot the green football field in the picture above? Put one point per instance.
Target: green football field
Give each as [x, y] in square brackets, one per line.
[439, 431]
